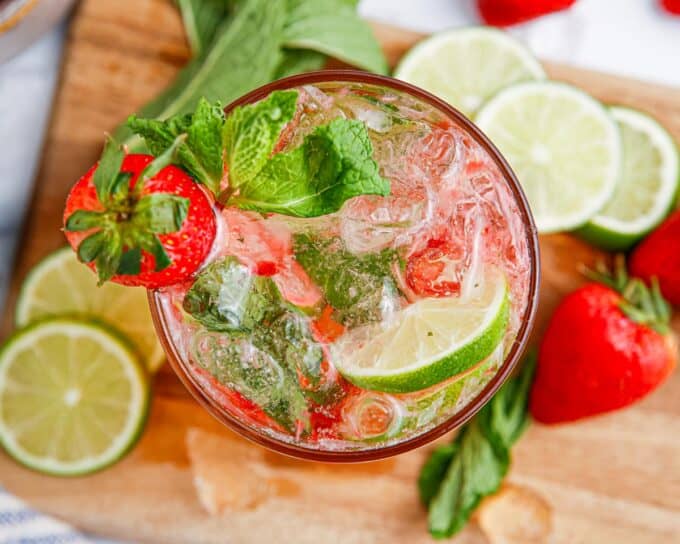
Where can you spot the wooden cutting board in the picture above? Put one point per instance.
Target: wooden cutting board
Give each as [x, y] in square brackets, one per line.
[614, 479]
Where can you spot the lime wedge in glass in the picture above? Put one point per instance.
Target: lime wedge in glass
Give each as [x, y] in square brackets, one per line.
[467, 66]
[563, 146]
[61, 285]
[430, 341]
[648, 186]
[73, 397]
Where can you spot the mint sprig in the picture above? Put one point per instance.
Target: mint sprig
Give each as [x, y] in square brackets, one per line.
[239, 45]
[200, 153]
[255, 321]
[333, 164]
[251, 132]
[457, 476]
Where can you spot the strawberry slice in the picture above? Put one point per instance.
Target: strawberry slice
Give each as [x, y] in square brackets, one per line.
[266, 247]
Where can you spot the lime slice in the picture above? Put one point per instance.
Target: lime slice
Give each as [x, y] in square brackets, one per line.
[467, 66]
[430, 341]
[73, 397]
[61, 285]
[563, 146]
[648, 185]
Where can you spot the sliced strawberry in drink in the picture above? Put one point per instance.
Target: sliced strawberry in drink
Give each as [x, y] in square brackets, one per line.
[266, 248]
[429, 271]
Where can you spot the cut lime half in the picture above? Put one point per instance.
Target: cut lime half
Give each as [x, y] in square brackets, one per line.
[563, 146]
[467, 66]
[430, 341]
[648, 186]
[61, 285]
[73, 397]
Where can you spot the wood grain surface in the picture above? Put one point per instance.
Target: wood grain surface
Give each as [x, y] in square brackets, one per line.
[613, 479]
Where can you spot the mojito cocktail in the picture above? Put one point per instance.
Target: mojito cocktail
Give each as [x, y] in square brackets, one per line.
[340, 323]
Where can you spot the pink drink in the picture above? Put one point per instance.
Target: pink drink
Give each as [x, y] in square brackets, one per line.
[450, 218]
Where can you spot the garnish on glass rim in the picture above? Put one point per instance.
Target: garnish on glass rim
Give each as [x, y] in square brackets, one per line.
[130, 215]
[333, 163]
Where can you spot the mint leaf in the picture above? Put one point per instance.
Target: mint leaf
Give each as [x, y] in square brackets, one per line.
[201, 20]
[251, 132]
[105, 176]
[476, 471]
[227, 297]
[334, 163]
[201, 153]
[266, 344]
[257, 376]
[434, 470]
[298, 61]
[355, 285]
[333, 27]
[243, 55]
[455, 479]
[161, 213]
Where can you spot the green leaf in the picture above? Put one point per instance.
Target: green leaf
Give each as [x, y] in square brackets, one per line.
[507, 415]
[434, 470]
[91, 246]
[453, 481]
[81, 220]
[476, 471]
[227, 297]
[161, 213]
[265, 343]
[256, 375]
[334, 163]
[298, 61]
[106, 174]
[151, 244]
[251, 132]
[333, 27]
[130, 262]
[289, 339]
[243, 56]
[201, 20]
[200, 150]
[354, 285]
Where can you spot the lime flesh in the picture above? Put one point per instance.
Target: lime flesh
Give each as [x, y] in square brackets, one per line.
[563, 146]
[61, 285]
[73, 396]
[430, 341]
[466, 66]
[647, 188]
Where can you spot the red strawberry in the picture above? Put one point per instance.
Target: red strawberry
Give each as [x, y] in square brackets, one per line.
[510, 12]
[606, 346]
[153, 232]
[658, 256]
[426, 270]
[671, 6]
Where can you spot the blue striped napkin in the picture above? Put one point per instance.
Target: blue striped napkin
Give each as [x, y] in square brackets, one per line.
[20, 524]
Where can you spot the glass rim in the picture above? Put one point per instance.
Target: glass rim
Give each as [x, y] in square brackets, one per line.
[518, 346]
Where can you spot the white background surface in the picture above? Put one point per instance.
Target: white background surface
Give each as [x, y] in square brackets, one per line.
[628, 37]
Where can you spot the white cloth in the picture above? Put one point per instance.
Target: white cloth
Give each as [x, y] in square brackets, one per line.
[20, 524]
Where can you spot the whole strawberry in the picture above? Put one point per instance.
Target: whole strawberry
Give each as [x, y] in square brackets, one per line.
[606, 346]
[671, 6]
[510, 12]
[658, 256]
[137, 220]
